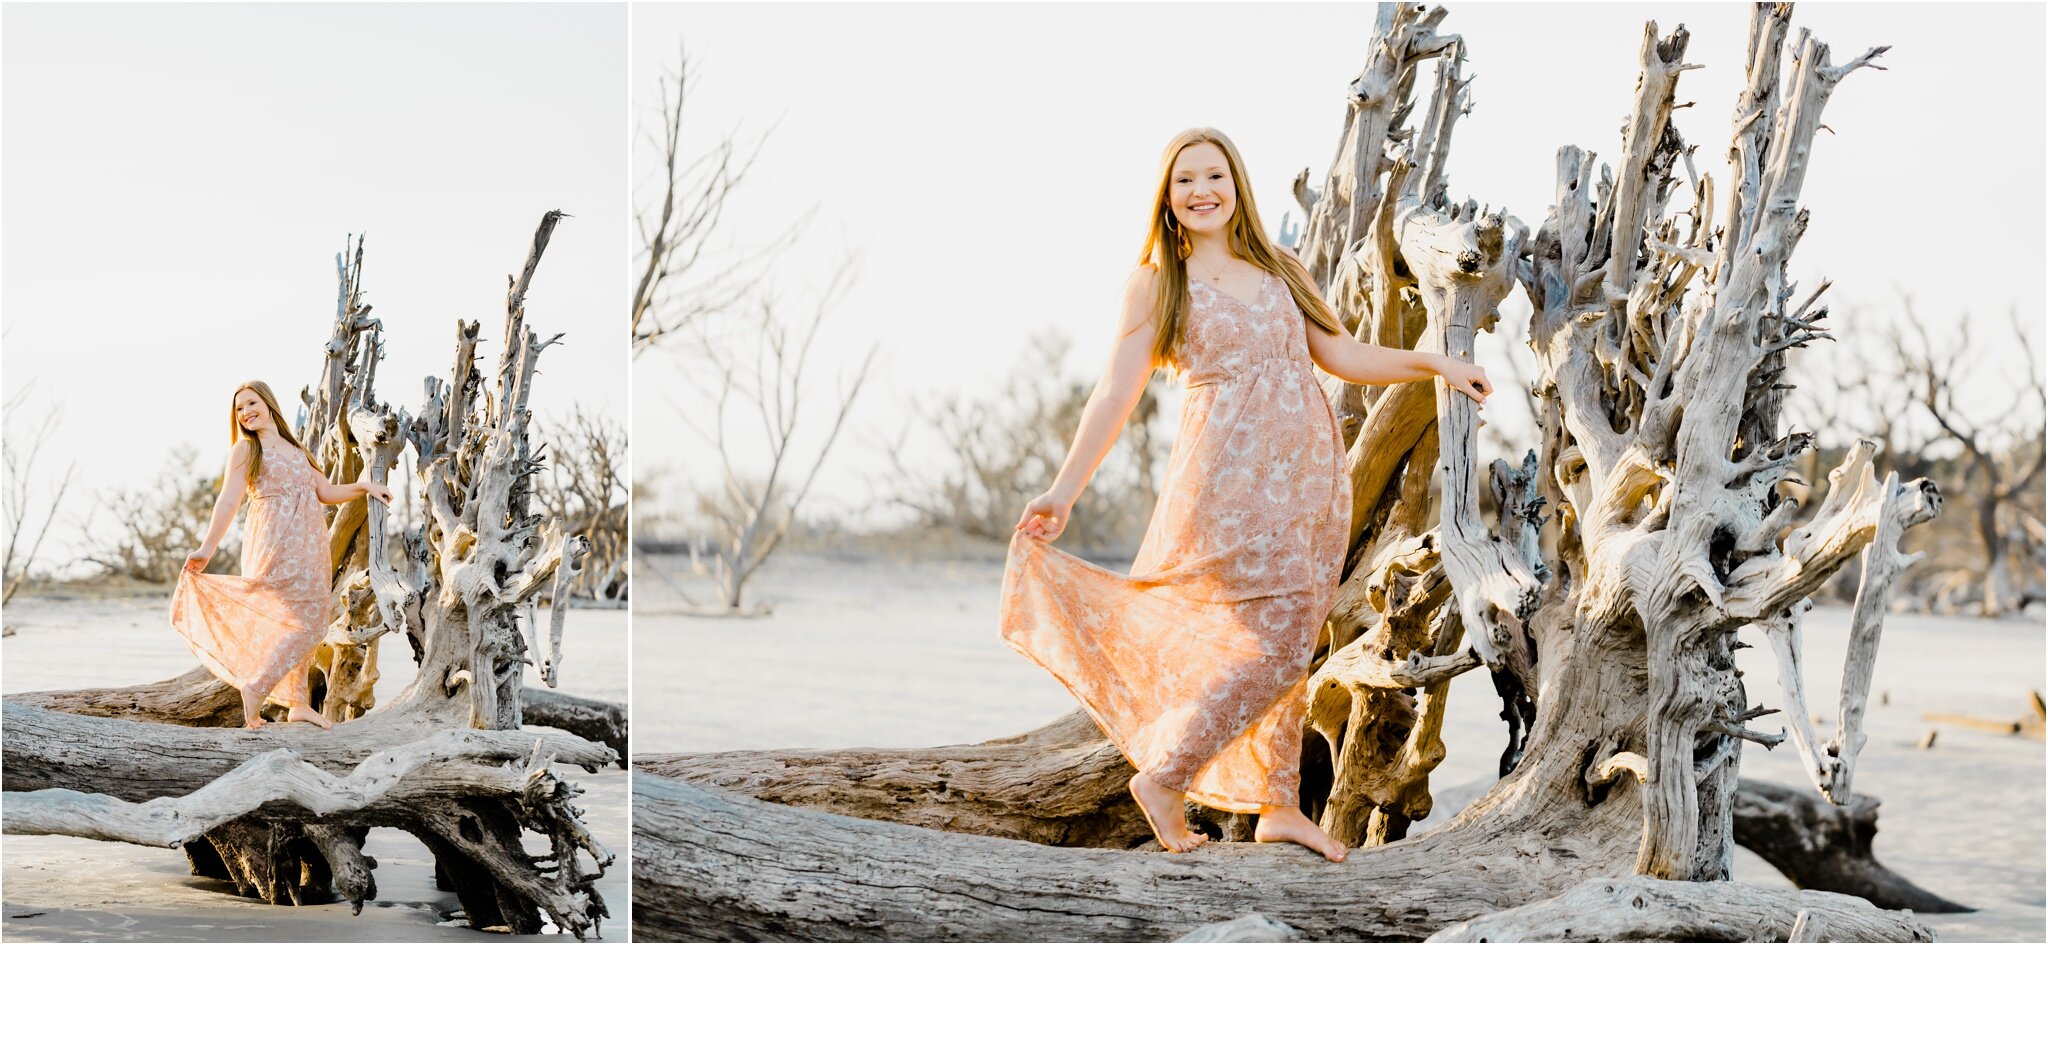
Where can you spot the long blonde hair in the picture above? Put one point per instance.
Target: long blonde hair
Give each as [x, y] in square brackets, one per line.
[237, 432]
[1166, 250]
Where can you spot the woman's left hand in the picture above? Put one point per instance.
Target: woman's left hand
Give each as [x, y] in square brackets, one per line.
[377, 490]
[1469, 378]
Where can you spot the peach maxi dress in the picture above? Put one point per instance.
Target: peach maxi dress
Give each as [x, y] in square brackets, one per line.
[1195, 664]
[257, 631]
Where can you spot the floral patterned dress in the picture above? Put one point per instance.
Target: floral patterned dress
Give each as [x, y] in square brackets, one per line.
[258, 631]
[1195, 664]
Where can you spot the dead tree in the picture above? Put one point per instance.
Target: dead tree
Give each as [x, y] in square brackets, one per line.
[586, 490]
[2001, 453]
[283, 812]
[24, 534]
[687, 271]
[1607, 623]
[765, 374]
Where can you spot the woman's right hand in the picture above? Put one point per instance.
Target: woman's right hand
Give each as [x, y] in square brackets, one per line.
[196, 562]
[1045, 517]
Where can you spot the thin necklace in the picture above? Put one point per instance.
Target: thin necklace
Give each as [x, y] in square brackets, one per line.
[1212, 280]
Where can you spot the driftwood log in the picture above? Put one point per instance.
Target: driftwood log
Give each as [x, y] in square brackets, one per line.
[1603, 594]
[197, 698]
[1820, 845]
[1645, 909]
[283, 812]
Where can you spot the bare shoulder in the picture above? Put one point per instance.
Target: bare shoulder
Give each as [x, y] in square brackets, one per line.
[238, 454]
[1142, 284]
[1141, 294]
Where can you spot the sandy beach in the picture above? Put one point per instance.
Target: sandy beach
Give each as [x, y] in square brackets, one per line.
[73, 889]
[881, 651]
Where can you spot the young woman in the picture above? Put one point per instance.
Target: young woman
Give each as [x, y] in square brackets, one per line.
[1196, 663]
[257, 631]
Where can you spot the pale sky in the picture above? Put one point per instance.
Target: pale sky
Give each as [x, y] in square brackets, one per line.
[994, 163]
[178, 179]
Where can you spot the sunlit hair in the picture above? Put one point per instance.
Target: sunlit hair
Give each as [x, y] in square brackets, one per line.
[1166, 249]
[236, 431]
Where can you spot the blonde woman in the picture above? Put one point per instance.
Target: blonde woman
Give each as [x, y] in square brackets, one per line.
[1195, 663]
[257, 631]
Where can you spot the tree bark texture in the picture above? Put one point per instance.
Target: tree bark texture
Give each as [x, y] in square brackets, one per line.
[1628, 910]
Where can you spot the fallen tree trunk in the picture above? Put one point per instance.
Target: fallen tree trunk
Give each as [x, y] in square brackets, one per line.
[711, 865]
[1064, 784]
[197, 698]
[1648, 909]
[601, 721]
[1817, 845]
[139, 761]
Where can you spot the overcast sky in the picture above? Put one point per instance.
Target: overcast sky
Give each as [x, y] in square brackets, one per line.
[178, 179]
[993, 166]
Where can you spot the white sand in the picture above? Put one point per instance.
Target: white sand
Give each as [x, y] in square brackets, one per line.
[876, 652]
[74, 889]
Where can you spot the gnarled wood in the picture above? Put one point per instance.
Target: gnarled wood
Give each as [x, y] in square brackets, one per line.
[1643, 909]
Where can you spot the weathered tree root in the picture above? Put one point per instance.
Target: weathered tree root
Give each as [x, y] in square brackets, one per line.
[1817, 845]
[711, 865]
[280, 812]
[287, 862]
[1647, 909]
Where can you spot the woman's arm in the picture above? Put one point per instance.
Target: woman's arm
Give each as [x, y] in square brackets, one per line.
[1362, 364]
[342, 493]
[233, 482]
[1116, 393]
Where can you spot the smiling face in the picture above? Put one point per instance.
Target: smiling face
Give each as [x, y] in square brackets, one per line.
[252, 413]
[1203, 192]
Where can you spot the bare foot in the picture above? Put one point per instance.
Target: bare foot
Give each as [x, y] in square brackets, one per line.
[302, 713]
[254, 722]
[1286, 824]
[1163, 806]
